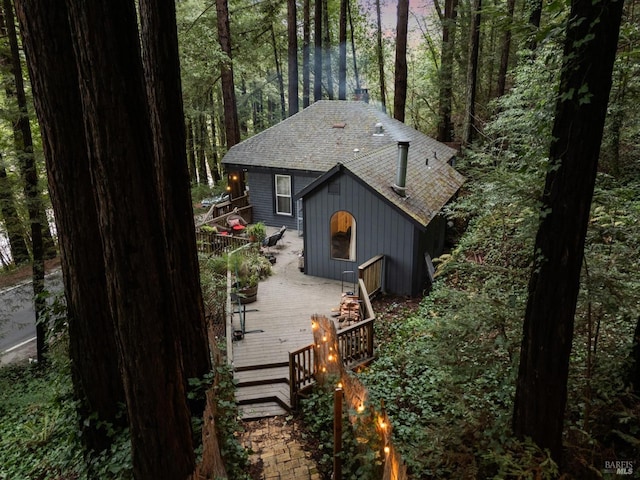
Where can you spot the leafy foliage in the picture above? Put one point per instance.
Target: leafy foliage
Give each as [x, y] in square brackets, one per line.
[39, 427]
[446, 372]
[234, 455]
[360, 454]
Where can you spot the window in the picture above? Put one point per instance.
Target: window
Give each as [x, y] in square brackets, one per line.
[283, 195]
[343, 236]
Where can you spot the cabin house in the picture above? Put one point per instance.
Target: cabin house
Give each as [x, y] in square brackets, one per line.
[355, 183]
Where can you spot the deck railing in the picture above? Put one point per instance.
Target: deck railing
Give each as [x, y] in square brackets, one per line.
[355, 342]
[302, 373]
[370, 272]
[215, 244]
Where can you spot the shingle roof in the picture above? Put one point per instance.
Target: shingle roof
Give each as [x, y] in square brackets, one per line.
[331, 132]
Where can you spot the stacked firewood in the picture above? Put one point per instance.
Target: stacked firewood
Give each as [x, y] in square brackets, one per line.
[349, 308]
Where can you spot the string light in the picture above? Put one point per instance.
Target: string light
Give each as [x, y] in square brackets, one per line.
[387, 450]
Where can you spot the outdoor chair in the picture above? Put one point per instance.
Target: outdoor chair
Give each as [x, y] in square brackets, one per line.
[272, 240]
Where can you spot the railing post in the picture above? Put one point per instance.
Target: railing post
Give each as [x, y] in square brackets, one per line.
[370, 340]
[337, 433]
[293, 382]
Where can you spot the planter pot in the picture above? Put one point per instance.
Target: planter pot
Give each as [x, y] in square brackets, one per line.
[245, 295]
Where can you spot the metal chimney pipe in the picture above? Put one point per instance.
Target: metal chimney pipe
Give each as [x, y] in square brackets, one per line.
[401, 170]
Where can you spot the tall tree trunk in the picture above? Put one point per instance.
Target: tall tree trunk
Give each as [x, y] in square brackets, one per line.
[317, 52]
[214, 161]
[136, 204]
[162, 73]
[472, 74]
[283, 104]
[292, 54]
[23, 142]
[400, 76]
[232, 126]
[505, 49]
[326, 48]
[380, 57]
[445, 126]
[342, 61]
[585, 82]
[353, 46]
[306, 50]
[191, 151]
[201, 149]
[92, 346]
[535, 15]
[11, 219]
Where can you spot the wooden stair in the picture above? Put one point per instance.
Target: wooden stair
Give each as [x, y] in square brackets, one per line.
[262, 390]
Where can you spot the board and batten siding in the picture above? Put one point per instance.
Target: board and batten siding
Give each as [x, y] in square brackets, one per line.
[380, 229]
[262, 196]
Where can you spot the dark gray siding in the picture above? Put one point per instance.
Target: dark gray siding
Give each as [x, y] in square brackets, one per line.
[380, 229]
[262, 196]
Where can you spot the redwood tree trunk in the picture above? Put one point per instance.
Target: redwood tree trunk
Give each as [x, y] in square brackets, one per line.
[445, 126]
[232, 126]
[553, 289]
[317, 52]
[12, 223]
[472, 74]
[93, 351]
[342, 62]
[306, 47]
[505, 49]
[191, 151]
[326, 48]
[380, 56]
[132, 212]
[400, 76]
[292, 55]
[162, 73]
[23, 142]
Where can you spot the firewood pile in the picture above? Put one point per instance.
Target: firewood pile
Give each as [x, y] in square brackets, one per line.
[349, 310]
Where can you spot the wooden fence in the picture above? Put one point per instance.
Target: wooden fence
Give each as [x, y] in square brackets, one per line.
[216, 244]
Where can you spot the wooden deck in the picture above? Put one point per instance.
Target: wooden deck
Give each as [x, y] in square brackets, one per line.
[279, 322]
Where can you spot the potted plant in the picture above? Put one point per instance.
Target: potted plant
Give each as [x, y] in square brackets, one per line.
[249, 268]
[256, 232]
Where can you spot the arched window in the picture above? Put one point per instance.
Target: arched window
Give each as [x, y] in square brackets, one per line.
[343, 236]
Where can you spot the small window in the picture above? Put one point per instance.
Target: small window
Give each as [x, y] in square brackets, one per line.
[343, 236]
[283, 195]
[334, 187]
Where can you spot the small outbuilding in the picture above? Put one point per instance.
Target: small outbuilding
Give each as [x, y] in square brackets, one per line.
[356, 183]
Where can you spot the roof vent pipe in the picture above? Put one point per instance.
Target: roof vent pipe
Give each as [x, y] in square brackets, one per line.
[401, 171]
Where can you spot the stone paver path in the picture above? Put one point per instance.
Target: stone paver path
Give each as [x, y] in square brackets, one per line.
[277, 450]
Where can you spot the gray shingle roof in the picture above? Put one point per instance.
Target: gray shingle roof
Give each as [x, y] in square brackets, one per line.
[330, 132]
